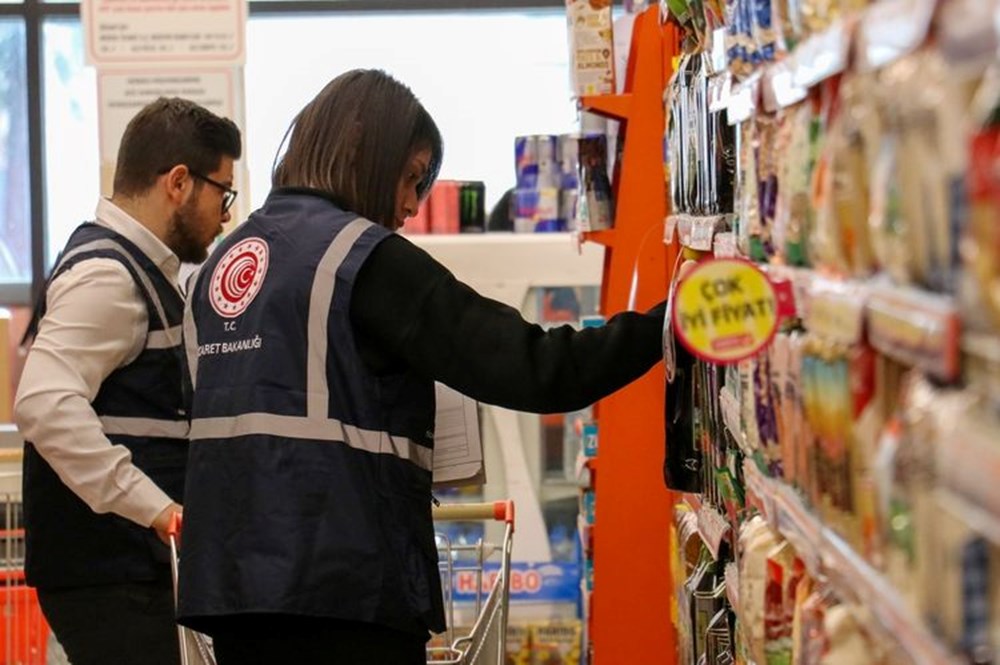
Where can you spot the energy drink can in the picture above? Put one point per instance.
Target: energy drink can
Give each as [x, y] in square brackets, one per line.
[567, 208]
[472, 207]
[569, 160]
[526, 161]
[547, 217]
[549, 165]
[525, 209]
[443, 202]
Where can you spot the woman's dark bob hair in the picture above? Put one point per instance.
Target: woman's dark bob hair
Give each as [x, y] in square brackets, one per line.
[353, 140]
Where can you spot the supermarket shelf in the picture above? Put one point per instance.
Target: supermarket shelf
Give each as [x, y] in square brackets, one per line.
[881, 34]
[823, 551]
[615, 106]
[503, 266]
[605, 238]
[916, 327]
[10, 438]
[696, 231]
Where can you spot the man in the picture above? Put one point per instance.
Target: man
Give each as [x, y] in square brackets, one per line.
[100, 400]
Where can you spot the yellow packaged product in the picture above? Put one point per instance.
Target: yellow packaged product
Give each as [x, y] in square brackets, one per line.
[556, 642]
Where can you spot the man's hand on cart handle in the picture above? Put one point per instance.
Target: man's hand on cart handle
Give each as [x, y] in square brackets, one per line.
[163, 521]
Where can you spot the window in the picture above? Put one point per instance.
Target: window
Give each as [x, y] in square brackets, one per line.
[485, 77]
[71, 151]
[15, 211]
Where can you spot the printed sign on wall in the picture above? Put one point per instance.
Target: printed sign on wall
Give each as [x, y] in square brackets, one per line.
[171, 32]
[122, 92]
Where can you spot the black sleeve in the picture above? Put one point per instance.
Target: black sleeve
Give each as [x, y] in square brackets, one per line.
[408, 308]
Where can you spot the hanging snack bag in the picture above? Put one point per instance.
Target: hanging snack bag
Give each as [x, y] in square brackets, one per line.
[981, 246]
[591, 46]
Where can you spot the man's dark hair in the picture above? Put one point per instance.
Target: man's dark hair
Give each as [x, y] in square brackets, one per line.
[353, 141]
[169, 132]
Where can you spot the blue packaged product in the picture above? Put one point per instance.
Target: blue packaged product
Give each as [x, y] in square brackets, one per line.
[549, 164]
[590, 440]
[526, 161]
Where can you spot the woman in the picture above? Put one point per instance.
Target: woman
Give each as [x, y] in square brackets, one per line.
[314, 337]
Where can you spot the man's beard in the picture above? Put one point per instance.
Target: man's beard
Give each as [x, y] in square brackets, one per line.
[181, 237]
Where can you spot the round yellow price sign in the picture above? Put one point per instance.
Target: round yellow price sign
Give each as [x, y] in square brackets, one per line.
[727, 310]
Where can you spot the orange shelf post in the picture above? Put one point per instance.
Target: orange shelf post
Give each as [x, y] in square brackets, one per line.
[633, 592]
[613, 106]
[605, 237]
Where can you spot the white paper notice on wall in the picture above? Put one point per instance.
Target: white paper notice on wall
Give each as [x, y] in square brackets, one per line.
[164, 32]
[458, 446]
[122, 93]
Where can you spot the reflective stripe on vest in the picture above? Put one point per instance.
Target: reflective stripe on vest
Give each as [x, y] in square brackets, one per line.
[149, 427]
[164, 339]
[191, 331]
[316, 425]
[140, 273]
[316, 429]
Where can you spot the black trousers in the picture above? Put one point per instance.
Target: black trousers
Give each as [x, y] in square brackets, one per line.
[272, 640]
[120, 624]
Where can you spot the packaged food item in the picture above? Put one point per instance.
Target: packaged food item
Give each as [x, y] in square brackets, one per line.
[766, 162]
[518, 645]
[701, 580]
[857, 137]
[905, 467]
[718, 647]
[765, 32]
[741, 48]
[826, 246]
[748, 223]
[756, 542]
[777, 629]
[675, 103]
[793, 578]
[683, 457]
[790, 17]
[595, 206]
[591, 46]
[709, 600]
[846, 641]
[556, 642]
[812, 641]
[981, 247]
[918, 195]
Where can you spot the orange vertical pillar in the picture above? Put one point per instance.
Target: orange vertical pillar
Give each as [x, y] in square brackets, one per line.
[633, 591]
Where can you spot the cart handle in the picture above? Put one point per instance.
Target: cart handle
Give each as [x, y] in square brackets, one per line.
[501, 511]
[176, 521]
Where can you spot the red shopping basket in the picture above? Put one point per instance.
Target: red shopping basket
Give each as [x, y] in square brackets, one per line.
[24, 634]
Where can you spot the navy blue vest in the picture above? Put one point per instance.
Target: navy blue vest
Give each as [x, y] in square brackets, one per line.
[309, 478]
[140, 407]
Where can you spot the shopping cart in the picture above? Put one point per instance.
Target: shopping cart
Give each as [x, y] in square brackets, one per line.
[485, 642]
[25, 634]
[196, 648]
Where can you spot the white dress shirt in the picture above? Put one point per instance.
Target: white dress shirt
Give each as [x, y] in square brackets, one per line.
[95, 322]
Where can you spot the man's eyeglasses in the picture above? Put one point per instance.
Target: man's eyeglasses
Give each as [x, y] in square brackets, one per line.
[228, 193]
